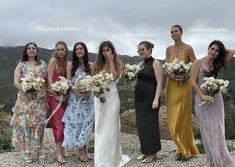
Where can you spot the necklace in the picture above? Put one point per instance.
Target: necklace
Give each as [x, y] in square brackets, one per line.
[208, 64]
[177, 50]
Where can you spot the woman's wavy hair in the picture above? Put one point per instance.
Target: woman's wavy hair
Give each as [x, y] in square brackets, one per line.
[25, 56]
[75, 60]
[100, 60]
[62, 63]
[219, 61]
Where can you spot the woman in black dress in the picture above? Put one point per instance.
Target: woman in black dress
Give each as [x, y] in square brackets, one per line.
[147, 94]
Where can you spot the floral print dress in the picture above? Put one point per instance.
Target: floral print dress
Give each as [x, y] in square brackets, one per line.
[29, 115]
[79, 119]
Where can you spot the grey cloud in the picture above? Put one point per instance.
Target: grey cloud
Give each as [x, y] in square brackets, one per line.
[125, 23]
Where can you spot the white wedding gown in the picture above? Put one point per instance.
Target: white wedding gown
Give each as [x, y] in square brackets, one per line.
[107, 130]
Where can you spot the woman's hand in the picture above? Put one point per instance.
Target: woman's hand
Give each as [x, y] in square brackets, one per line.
[207, 99]
[171, 75]
[180, 78]
[58, 98]
[155, 104]
[65, 98]
[133, 84]
[82, 95]
[85, 95]
[110, 57]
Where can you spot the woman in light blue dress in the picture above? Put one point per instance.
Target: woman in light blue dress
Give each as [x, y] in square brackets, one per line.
[79, 115]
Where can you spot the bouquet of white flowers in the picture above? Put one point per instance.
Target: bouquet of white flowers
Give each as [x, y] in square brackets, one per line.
[100, 84]
[32, 84]
[131, 71]
[83, 84]
[179, 69]
[212, 86]
[59, 87]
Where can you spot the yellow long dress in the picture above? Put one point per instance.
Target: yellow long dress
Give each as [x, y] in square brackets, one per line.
[179, 108]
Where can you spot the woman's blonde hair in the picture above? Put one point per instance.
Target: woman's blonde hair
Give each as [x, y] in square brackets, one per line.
[100, 60]
[61, 63]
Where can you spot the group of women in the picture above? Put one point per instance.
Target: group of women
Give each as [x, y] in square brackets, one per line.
[73, 122]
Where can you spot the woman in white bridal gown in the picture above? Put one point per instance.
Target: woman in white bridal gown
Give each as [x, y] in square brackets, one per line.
[107, 120]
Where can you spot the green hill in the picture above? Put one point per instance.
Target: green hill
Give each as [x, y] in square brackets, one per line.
[10, 55]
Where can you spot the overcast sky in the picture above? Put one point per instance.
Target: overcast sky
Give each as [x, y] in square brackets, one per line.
[124, 22]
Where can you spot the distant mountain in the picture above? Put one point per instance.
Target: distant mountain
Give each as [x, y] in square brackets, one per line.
[9, 56]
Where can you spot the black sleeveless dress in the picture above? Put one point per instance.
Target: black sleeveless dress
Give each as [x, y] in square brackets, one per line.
[146, 117]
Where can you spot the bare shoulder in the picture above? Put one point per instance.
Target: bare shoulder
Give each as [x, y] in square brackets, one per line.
[156, 64]
[197, 62]
[52, 61]
[69, 64]
[18, 66]
[188, 47]
[169, 47]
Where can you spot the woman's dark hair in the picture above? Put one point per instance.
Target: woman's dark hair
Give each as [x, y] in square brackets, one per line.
[147, 44]
[75, 61]
[219, 61]
[179, 27]
[25, 56]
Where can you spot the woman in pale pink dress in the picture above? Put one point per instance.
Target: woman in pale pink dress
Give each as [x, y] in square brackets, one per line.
[211, 117]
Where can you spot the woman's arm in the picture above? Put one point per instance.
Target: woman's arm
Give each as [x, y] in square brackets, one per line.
[158, 72]
[91, 65]
[167, 61]
[194, 78]
[229, 55]
[45, 85]
[112, 67]
[68, 70]
[50, 70]
[17, 77]
[191, 54]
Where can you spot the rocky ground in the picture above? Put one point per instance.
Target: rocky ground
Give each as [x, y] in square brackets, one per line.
[130, 147]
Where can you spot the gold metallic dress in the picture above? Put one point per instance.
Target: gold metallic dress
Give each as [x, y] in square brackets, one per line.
[179, 108]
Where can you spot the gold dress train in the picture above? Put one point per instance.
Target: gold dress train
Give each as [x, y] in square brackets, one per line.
[179, 108]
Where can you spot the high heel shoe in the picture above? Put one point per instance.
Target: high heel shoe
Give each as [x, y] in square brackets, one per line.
[141, 157]
[40, 155]
[178, 157]
[28, 158]
[149, 158]
[184, 158]
[88, 155]
[65, 154]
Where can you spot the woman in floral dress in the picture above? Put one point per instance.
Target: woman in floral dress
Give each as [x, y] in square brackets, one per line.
[30, 108]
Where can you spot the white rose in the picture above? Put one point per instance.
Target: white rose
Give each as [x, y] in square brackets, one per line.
[176, 67]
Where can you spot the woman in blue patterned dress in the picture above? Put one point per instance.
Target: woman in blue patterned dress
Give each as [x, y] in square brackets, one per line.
[79, 115]
[30, 108]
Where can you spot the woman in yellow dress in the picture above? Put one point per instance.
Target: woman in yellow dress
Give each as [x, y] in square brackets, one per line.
[179, 98]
